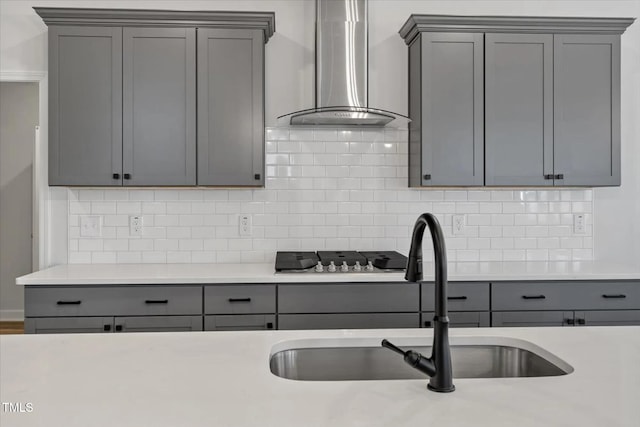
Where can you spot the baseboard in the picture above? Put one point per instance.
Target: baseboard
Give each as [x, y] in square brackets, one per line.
[11, 315]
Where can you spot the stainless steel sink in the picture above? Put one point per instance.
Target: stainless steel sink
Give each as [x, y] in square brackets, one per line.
[352, 363]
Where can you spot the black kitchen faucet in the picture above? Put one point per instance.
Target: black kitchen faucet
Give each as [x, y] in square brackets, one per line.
[438, 366]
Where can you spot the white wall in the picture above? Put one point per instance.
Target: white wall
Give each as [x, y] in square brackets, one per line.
[289, 73]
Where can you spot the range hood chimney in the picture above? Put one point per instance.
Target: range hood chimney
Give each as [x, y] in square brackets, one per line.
[341, 71]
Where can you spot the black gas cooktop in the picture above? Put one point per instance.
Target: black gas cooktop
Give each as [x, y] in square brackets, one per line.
[340, 262]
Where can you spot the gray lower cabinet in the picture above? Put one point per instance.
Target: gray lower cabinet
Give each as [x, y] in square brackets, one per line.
[446, 132]
[587, 109]
[610, 317]
[240, 322]
[68, 325]
[157, 324]
[460, 319]
[230, 107]
[348, 305]
[85, 105]
[159, 106]
[531, 318]
[239, 307]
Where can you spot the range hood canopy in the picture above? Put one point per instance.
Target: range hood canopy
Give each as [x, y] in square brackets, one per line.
[341, 71]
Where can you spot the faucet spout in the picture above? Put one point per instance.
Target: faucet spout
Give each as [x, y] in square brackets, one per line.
[438, 366]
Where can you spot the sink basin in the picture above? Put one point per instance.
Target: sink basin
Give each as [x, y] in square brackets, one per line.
[474, 358]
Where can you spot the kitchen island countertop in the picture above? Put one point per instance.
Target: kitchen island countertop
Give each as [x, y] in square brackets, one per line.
[223, 379]
[106, 274]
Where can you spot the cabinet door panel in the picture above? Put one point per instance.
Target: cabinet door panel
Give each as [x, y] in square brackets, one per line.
[243, 322]
[348, 321]
[460, 319]
[158, 324]
[609, 318]
[587, 109]
[519, 109]
[461, 296]
[230, 107]
[446, 109]
[85, 105]
[68, 325]
[531, 318]
[159, 134]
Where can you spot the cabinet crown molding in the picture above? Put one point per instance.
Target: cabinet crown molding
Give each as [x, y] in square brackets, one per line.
[265, 21]
[512, 24]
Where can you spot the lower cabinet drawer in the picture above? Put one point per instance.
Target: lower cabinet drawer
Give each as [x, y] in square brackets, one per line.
[68, 325]
[531, 318]
[239, 299]
[158, 324]
[243, 322]
[460, 319]
[461, 296]
[348, 321]
[113, 301]
[610, 317]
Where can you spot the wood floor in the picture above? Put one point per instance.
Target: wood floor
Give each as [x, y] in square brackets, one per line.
[11, 328]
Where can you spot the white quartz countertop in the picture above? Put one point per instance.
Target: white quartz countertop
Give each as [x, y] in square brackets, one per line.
[84, 274]
[223, 379]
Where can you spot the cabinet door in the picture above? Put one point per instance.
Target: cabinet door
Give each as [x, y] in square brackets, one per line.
[348, 321]
[230, 107]
[608, 318]
[68, 325]
[85, 105]
[446, 110]
[587, 109]
[519, 109]
[159, 116]
[531, 318]
[460, 319]
[242, 322]
[158, 324]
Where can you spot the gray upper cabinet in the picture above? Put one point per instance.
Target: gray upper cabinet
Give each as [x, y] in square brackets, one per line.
[446, 110]
[123, 102]
[159, 106]
[519, 109]
[587, 109]
[230, 107]
[85, 105]
[551, 96]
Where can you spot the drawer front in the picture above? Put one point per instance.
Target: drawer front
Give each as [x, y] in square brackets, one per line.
[113, 301]
[241, 322]
[348, 298]
[158, 324]
[556, 295]
[461, 296]
[532, 318]
[240, 299]
[609, 318]
[460, 319]
[68, 325]
[348, 321]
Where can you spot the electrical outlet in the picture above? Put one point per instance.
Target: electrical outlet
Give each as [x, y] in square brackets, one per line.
[136, 226]
[245, 224]
[91, 226]
[579, 224]
[458, 224]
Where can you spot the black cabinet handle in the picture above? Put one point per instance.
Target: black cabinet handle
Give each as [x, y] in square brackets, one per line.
[106, 328]
[116, 176]
[614, 296]
[269, 325]
[569, 322]
[118, 328]
[156, 301]
[239, 299]
[548, 176]
[127, 176]
[559, 176]
[581, 321]
[460, 298]
[427, 177]
[533, 297]
[256, 176]
[427, 323]
[78, 302]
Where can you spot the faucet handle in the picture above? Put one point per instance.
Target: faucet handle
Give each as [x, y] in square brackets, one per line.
[414, 359]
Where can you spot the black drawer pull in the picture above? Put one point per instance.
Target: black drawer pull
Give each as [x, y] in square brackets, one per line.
[239, 299]
[581, 321]
[616, 296]
[427, 323]
[269, 325]
[78, 302]
[106, 328]
[157, 301]
[118, 328]
[460, 298]
[533, 297]
[116, 176]
[569, 322]
[127, 176]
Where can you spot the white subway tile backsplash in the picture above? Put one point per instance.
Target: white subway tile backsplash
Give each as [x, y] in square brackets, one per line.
[328, 188]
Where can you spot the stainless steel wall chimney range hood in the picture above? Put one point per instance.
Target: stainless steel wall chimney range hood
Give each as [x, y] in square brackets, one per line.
[341, 70]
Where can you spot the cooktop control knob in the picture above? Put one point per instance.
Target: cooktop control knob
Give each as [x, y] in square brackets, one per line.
[319, 268]
[369, 266]
[332, 267]
[357, 267]
[344, 267]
